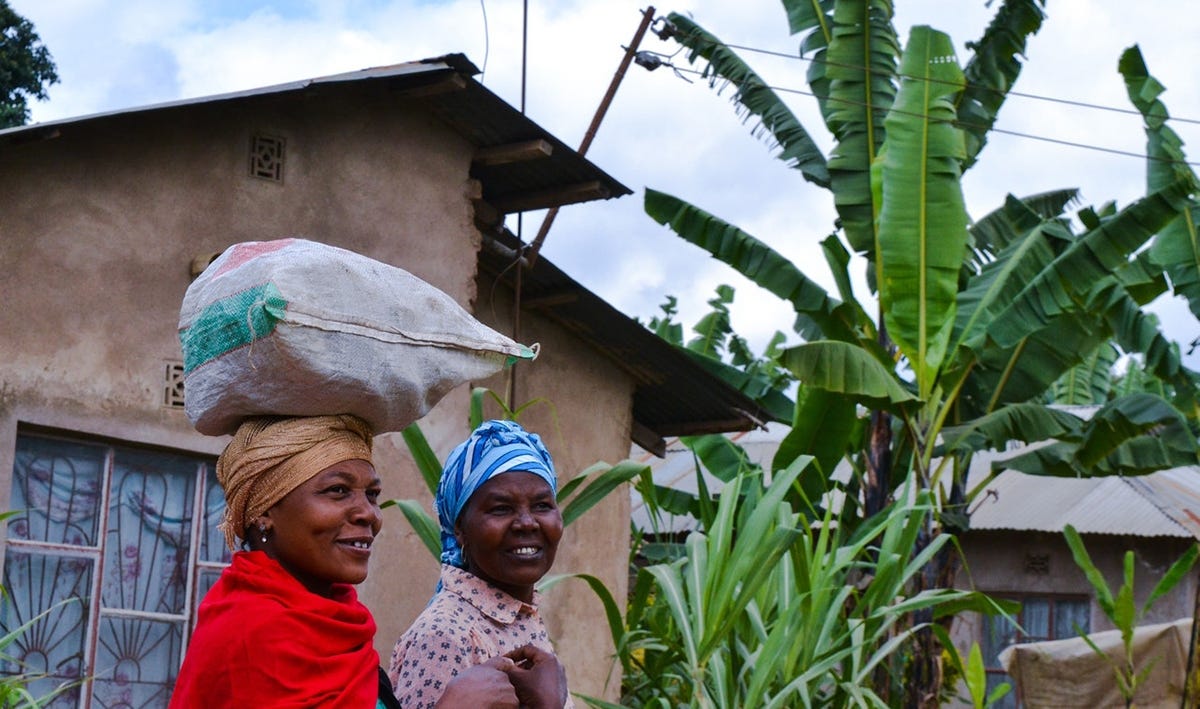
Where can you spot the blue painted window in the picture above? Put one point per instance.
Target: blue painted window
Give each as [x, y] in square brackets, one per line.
[131, 535]
[1040, 618]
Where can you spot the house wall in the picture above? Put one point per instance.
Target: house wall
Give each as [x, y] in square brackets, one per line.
[1015, 563]
[1040, 563]
[98, 227]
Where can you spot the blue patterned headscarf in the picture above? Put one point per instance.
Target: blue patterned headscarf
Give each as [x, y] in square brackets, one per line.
[495, 447]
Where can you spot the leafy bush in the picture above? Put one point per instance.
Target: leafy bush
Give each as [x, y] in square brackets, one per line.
[768, 607]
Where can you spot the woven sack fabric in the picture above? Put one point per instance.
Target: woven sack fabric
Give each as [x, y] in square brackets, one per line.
[296, 327]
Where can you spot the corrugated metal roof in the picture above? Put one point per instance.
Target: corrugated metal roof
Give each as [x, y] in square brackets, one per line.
[673, 395]
[1176, 493]
[395, 70]
[1016, 501]
[1162, 504]
[443, 86]
[1112, 505]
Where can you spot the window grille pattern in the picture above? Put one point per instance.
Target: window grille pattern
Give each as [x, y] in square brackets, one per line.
[1037, 564]
[119, 545]
[266, 157]
[1040, 618]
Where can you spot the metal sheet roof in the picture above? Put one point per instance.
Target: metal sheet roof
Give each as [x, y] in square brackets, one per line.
[673, 395]
[1162, 504]
[1175, 493]
[444, 87]
[1016, 501]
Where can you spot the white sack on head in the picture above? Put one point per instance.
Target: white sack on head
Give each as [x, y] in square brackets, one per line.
[298, 328]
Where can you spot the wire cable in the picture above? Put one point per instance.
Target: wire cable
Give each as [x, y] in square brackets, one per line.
[1058, 141]
[487, 40]
[1034, 97]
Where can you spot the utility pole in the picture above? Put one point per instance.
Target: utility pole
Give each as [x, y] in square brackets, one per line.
[647, 17]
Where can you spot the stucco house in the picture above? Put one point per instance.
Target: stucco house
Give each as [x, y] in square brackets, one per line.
[105, 220]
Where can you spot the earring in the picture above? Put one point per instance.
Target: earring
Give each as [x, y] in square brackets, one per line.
[262, 529]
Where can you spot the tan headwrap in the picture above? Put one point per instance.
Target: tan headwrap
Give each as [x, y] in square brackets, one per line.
[270, 456]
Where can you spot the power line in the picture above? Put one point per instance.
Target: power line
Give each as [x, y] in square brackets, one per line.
[1034, 97]
[992, 129]
[487, 40]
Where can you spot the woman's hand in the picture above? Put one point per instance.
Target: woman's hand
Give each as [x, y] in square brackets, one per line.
[538, 677]
[486, 686]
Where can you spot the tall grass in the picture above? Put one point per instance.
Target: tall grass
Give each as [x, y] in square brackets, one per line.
[769, 607]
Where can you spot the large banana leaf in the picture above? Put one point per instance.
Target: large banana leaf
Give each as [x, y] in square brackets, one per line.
[797, 148]
[1092, 257]
[1000, 280]
[842, 368]
[1132, 435]
[1029, 422]
[1009, 375]
[994, 68]
[1137, 330]
[922, 218]
[1000, 227]
[1167, 162]
[720, 456]
[1135, 379]
[1142, 278]
[752, 258]
[824, 426]
[810, 15]
[860, 65]
[774, 401]
[1177, 247]
[1089, 383]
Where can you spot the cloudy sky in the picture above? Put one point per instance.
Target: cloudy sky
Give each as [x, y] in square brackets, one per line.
[661, 131]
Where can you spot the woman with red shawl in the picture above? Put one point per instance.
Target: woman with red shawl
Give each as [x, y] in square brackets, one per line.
[283, 626]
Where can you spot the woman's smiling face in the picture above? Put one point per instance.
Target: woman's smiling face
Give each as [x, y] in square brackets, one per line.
[509, 532]
[322, 531]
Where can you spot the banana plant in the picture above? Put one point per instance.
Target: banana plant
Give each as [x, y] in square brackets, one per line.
[976, 320]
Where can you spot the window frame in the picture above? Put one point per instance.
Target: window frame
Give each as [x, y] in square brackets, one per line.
[1020, 637]
[203, 467]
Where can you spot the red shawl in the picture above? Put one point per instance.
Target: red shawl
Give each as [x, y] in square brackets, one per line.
[263, 640]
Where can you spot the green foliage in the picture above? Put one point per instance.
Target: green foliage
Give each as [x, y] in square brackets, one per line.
[760, 377]
[766, 606]
[974, 676]
[26, 68]
[1121, 610]
[979, 325]
[1088, 383]
[1017, 308]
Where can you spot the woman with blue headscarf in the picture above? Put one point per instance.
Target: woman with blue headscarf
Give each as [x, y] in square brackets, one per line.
[500, 531]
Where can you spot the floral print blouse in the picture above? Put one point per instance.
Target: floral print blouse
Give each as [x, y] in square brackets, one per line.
[467, 623]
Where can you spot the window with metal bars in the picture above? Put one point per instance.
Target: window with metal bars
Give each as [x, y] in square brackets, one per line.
[1040, 618]
[132, 535]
